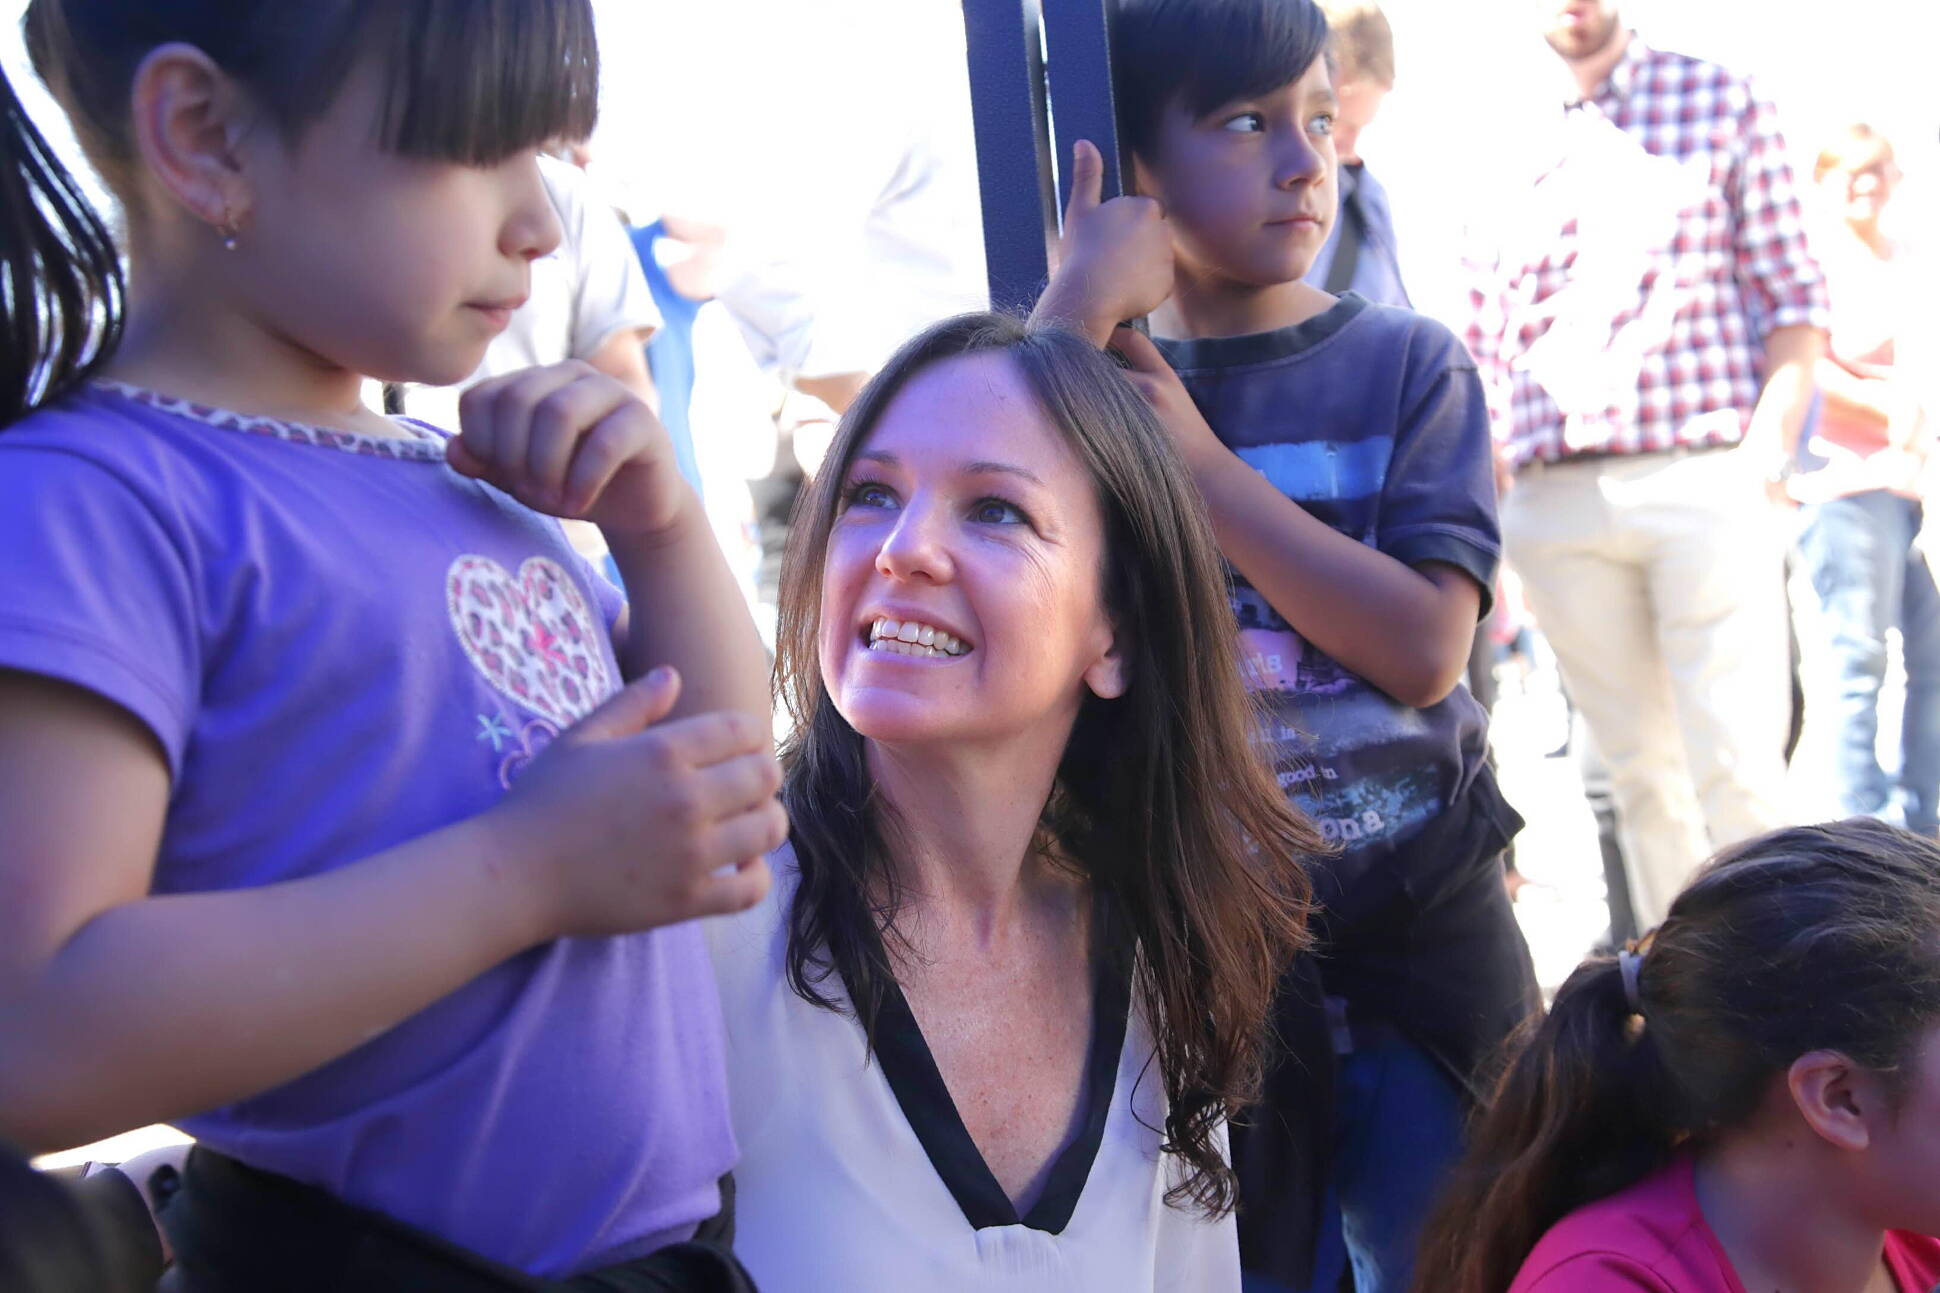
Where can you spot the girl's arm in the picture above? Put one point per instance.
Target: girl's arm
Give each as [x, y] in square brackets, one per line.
[1405, 629]
[118, 1008]
[685, 609]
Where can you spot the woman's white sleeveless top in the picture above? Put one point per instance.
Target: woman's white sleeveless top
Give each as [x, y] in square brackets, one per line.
[857, 1176]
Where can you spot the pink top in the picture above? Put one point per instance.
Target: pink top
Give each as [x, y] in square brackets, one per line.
[1654, 1236]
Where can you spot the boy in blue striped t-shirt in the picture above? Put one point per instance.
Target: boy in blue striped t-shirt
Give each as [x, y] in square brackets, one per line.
[1343, 451]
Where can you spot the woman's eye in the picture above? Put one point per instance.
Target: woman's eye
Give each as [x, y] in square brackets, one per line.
[995, 511]
[1322, 124]
[869, 494]
[1244, 123]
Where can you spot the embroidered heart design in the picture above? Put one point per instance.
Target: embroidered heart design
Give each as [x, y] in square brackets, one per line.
[532, 636]
[533, 738]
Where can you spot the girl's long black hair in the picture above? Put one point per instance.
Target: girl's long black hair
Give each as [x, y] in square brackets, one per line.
[61, 285]
[1814, 938]
[465, 81]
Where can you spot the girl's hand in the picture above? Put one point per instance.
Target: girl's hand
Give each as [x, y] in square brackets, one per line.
[627, 822]
[570, 441]
[1115, 259]
[1168, 397]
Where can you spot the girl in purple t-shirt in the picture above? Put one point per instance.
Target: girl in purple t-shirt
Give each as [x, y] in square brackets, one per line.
[332, 833]
[1747, 1099]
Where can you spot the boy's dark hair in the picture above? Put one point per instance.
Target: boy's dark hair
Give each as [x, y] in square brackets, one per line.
[1203, 53]
[1813, 938]
[467, 81]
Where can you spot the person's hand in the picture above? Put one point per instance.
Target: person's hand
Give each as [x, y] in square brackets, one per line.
[627, 822]
[568, 440]
[1167, 395]
[1115, 258]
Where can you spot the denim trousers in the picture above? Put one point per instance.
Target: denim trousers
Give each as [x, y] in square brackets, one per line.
[1860, 553]
[1399, 1122]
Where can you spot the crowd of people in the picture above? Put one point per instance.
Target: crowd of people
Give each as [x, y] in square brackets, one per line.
[1092, 871]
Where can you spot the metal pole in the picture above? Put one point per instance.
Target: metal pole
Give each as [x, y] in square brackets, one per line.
[1078, 35]
[1007, 96]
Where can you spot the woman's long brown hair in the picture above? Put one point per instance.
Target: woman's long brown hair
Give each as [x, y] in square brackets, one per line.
[1818, 937]
[1162, 800]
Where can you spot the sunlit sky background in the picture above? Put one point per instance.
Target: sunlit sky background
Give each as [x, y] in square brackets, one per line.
[787, 114]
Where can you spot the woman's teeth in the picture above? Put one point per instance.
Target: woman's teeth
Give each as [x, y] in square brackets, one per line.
[912, 637]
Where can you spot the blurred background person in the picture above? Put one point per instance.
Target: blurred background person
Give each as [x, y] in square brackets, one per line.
[1861, 491]
[714, 397]
[1648, 321]
[1360, 253]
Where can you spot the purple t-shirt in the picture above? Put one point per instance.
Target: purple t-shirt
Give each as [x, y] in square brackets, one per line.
[341, 645]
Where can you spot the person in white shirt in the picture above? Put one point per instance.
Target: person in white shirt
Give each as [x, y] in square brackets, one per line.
[1015, 970]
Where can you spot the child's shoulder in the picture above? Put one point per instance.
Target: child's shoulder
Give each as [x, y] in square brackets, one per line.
[1381, 341]
[89, 419]
[1424, 341]
[1914, 1260]
[1652, 1228]
[90, 436]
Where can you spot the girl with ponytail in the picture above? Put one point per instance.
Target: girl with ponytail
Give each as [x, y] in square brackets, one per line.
[1747, 1099]
[332, 833]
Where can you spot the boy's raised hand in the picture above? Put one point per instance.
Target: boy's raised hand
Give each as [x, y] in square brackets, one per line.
[568, 440]
[1115, 258]
[1167, 395]
[629, 822]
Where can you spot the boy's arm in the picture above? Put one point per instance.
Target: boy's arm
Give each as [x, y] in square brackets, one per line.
[1406, 629]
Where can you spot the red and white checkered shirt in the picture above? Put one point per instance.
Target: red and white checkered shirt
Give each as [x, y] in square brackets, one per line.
[1623, 306]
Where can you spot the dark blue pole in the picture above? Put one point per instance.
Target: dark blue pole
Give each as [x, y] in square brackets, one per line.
[1007, 99]
[1077, 34]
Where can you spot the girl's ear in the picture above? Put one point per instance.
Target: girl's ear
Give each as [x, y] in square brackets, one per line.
[1839, 1101]
[189, 118]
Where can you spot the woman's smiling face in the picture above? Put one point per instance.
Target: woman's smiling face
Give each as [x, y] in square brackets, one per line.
[963, 586]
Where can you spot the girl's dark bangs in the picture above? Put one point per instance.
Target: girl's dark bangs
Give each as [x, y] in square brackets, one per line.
[474, 81]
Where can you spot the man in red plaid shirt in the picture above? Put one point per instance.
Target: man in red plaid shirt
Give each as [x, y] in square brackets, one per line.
[1647, 326]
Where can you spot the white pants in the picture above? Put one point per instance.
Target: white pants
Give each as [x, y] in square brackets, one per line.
[1659, 582]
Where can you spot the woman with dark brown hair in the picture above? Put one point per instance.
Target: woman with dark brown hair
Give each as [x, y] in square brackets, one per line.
[1015, 973]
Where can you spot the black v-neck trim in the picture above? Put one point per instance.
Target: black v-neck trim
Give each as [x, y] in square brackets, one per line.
[925, 1101]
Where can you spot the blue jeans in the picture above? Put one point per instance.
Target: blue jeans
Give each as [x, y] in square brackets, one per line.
[1400, 1126]
[1869, 577]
